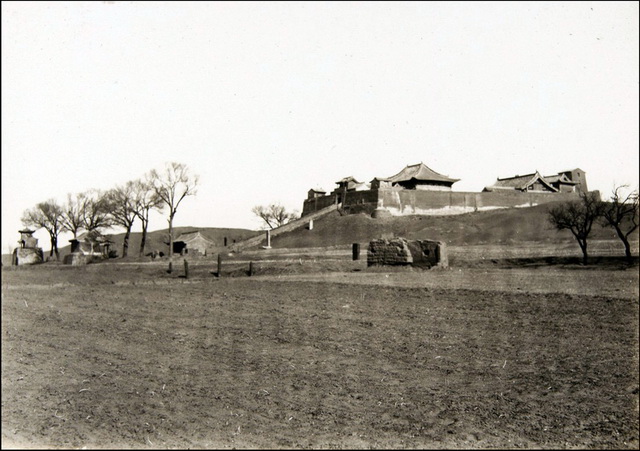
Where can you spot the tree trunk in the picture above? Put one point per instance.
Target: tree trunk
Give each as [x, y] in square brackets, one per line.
[125, 243]
[170, 237]
[583, 246]
[627, 249]
[625, 241]
[143, 240]
[54, 246]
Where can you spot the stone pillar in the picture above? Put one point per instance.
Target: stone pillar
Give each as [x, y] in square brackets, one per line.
[268, 246]
[356, 251]
[311, 224]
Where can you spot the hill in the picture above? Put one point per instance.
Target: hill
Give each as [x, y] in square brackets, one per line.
[503, 226]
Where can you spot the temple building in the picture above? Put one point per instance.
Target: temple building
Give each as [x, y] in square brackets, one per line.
[416, 176]
[564, 182]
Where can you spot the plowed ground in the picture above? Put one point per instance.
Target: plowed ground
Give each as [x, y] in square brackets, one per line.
[362, 359]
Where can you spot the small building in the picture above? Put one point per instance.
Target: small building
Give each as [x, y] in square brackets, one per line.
[348, 185]
[578, 176]
[314, 193]
[562, 183]
[28, 252]
[573, 181]
[526, 183]
[416, 177]
[192, 243]
[88, 248]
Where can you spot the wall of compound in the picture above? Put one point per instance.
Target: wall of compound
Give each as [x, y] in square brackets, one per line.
[417, 202]
[410, 202]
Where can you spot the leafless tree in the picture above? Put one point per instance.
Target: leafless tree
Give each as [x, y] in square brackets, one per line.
[122, 210]
[73, 213]
[274, 215]
[87, 211]
[172, 185]
[578, 216]
[621, 213]
[145, 199]
[96, 214]
[47, 215]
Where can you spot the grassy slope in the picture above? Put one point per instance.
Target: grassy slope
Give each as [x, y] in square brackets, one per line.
[485, 227]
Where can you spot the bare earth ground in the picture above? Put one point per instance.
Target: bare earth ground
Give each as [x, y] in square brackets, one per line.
[321, 353]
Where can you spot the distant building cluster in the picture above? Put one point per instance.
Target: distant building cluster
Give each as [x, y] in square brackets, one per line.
[418, 189]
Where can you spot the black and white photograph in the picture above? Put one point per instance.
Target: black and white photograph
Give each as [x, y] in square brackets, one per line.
[320, 225]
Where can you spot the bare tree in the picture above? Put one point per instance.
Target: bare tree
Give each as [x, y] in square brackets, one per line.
[274, 215]
[172, 185]
[621, 213]
[578, 216]
[73, 213]
[122, 210]
[145, 199]
[47, 215]
[95, 212]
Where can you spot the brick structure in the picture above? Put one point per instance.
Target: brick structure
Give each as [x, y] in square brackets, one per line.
[400, 251]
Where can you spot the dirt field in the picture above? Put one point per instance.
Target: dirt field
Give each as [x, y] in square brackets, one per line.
[320, 354]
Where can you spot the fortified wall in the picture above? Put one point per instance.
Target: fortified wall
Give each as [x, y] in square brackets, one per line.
[417, 190]
[414, 202]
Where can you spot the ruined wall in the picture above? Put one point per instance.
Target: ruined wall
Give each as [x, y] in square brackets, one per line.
[389, 252]
[400, 251]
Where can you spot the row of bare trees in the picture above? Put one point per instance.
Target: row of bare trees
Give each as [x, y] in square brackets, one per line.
[120, 206]
[579, 217]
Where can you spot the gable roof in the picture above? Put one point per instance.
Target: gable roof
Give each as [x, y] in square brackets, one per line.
[190, 236]
[350, 182]
[521, 182]
[420, 172]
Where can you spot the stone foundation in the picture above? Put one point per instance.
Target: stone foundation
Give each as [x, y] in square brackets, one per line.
[78, 258]
[27, 256]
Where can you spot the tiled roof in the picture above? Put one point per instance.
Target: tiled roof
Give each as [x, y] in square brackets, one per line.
[521, 182]
[418, 171]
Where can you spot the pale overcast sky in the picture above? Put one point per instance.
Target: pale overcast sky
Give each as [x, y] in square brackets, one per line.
[266, 100]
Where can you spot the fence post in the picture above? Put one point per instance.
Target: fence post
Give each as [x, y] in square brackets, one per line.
[219, 265]
[186, 269]
[250, 269]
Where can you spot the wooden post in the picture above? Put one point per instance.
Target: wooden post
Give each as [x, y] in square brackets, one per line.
[186, 269]
[170, 267]
[250, 269]
[219, 265]
[356, 251]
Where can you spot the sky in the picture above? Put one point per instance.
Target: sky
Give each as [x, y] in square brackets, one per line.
[266, 100]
